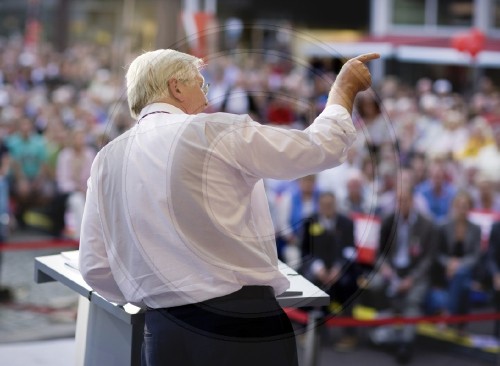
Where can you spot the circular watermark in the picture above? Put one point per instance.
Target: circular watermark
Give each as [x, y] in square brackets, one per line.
[301, 87]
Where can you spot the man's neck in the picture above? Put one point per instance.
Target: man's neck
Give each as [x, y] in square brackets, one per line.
[172, 102]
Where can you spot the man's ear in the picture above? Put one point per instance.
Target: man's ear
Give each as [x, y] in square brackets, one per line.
[175, 90]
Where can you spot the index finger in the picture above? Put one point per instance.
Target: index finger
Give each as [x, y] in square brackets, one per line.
[367, 57]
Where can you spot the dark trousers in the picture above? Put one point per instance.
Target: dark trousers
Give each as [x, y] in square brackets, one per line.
[245, 328]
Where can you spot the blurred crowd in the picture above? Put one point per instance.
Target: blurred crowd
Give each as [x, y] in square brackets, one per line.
[410, 222]
[56, 111]
[419, 191]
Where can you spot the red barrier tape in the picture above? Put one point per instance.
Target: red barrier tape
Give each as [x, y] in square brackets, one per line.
[302, 317]
[297, 315]
[34, 245]
[39, 309]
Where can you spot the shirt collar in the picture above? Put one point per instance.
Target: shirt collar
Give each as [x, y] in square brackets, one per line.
[157, 107]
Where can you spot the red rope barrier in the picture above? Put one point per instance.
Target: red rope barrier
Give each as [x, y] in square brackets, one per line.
[38, 245]
[40, 309]
[297, 315]
[302, 317]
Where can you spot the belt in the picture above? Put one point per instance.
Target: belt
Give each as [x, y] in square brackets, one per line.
[246, 292]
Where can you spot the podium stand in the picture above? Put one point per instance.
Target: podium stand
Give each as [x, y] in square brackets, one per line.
[112, 334]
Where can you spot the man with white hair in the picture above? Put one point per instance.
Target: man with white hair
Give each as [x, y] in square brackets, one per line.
[177, 221]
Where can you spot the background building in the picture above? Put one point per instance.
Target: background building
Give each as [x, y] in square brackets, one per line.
[414, 37]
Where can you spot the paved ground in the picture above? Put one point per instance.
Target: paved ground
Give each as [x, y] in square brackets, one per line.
[40, 311]
[38, 328]
[426, 353]
[58, 352]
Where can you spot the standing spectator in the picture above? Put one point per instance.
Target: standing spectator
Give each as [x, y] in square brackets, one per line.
[407, 243]
[30, 183]
[73, 170]
[458, 252]
[294, 207]
[56, 137]
[494, 267]
[326, 235]
[5, 292]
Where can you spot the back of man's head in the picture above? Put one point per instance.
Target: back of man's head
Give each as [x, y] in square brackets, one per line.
[148, 75]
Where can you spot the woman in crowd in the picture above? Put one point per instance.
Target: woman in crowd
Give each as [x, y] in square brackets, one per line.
[458, 252]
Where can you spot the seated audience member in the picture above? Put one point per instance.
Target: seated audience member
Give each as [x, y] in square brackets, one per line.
[72, 173]
[30, 184]
[326, 236]
[494, 266]
[484, 195]
[452, 135]
[436, 193]
[335, 179]
[387, 201]
[375, 126]
[458, 252]
[377, 180]
[480, 136]
[488, 158]
[407, 243]
[356, 200]
[419, 167]
[279, 110]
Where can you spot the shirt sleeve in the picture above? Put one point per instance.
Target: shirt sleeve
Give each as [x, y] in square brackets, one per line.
[93, 258]
[271, 152]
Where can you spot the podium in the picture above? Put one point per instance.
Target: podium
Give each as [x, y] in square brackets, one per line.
[109, 334]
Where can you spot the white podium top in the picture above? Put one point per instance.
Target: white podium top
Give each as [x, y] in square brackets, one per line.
[63, 268]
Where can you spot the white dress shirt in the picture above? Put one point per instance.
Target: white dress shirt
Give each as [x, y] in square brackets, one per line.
[176, 209]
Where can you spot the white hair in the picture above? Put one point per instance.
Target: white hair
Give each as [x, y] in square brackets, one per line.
[148, 75]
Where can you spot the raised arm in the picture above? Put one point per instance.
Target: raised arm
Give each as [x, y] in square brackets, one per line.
[270, 152]
[353, 78]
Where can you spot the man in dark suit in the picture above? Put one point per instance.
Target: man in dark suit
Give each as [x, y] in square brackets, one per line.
[407, 243]
[327, 234]
[494, 266]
